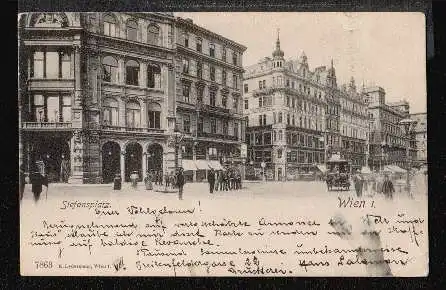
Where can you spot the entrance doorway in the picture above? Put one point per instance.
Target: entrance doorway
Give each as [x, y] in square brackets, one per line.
[52, 151]
[279, 174]
[155, 158]
[133, 160]
[111, 161]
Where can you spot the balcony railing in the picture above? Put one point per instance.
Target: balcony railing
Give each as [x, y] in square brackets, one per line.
[132, 129]
[213, 109]
[46, 125]
[217, 136]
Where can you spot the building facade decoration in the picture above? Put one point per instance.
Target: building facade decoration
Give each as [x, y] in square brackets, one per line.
[103, 90]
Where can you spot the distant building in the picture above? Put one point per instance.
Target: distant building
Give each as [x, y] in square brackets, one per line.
[288, 108]
[387, 138]
[420, 136]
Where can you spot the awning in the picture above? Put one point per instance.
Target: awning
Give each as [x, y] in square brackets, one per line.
[322, 168]
[215, 165]
[188, 165]
[202, 164]
[365, 170]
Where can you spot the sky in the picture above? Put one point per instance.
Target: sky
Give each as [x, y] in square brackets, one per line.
[385, 49]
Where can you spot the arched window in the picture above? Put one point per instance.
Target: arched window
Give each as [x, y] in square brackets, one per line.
[131, 72]
[133, 115]
[132, 30]
[110, 69]
[153, 76]
[154, 114]
[153, 35]
[110, 112]
[280, 135]
[110, 25]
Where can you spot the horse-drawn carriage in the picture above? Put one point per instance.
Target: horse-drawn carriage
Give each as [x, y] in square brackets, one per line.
[338, 174]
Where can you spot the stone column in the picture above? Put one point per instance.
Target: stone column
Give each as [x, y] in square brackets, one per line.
[77, 141]
[144, 164]
[122, 164]
[143, 74]
[121, 71]
[122, 120]
[143, 105]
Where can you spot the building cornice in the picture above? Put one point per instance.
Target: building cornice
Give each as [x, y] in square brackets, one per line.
[208, 33]
[203, 57]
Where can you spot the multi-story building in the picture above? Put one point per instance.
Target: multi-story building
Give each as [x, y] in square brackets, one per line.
[209, 98]
[354, 125]
[102, 90]
[387, 139]
[420, 132]
[285, 104]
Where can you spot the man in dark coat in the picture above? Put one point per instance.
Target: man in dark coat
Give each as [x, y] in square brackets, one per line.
[37, 180]
[180, 183]
[211, 180]
[387, 187]
[357, 181]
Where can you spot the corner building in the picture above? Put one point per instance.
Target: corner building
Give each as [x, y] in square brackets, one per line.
[101, 91]
[208, 99]
[288, 114]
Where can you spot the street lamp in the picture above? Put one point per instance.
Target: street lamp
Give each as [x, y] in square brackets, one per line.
[177, 138]
[408, 125]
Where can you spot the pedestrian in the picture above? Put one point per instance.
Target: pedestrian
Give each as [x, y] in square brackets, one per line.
[357, 181]
[387, 188]
[36, 179]
[226, 180]
[180, 183]
[172, 180]
[64, 169]
[167, 179]
[22, 180]
[148, 181]
[117, 182]
[217, 179]
[134, 179]
[211, 180]
[220, 180]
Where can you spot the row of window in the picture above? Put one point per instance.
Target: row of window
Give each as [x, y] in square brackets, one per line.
[292, 156]
[110, 114]
[51, 108]
[51, 64]
[212, 73]
[355, 147]
[266, 138]
[291, 119]
[154, 34]
[212, 97]
[214, 125]
[212, 48]
[132, 71]
[354, 132]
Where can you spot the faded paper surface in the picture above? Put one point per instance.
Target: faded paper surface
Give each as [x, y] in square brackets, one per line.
[246, 234]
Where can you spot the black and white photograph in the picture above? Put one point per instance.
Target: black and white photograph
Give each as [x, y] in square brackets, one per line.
[223, 144]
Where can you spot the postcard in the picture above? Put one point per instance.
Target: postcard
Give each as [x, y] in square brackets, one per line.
[223, 144]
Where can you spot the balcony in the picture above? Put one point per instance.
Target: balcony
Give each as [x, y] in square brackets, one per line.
[48, 84]
[217, 136]
[130, 129]
[46, 125]
[213, 109]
